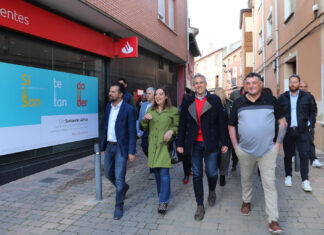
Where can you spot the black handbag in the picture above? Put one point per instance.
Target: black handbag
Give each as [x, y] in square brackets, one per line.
[174, 155]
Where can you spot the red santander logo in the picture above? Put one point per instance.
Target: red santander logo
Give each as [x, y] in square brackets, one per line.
[80, 102]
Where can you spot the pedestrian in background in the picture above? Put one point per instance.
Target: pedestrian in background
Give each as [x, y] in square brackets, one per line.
[303, 86]
[119, 142]
[298, 109]
[202, 127]
[186, 160]
[144, 134]
[162, 121]
[224, 161]
[254, 116]
[128, 97]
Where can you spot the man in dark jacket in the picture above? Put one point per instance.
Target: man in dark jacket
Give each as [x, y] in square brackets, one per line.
[128, 97]
[202, 126]
[312, 153]
[298, 109]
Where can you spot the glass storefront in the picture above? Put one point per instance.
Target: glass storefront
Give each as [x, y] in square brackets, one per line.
[24, 50]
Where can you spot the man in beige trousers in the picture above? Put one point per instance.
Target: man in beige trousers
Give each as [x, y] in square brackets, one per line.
[254, 116]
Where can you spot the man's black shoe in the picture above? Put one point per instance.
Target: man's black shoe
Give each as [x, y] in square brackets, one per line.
[212, 198]
[118, 213]
[200, 213]
[126, 189]
[222, 180]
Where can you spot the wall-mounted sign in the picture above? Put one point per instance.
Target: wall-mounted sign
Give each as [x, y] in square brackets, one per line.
[27, 18]
[42, 108]
[126, 47]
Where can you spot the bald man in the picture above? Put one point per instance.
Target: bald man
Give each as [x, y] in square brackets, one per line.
[303, 86]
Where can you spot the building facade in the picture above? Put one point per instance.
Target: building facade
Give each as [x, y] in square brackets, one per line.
[53, 45]
[288, 39]
[211, 66]
[247, 43]
[232, 64]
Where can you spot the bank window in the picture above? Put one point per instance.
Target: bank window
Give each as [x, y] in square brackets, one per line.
[290, 7]
[161, 10]
[269, 27]
[171, 14]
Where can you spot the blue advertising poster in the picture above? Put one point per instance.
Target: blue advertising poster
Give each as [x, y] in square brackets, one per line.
[43, 107]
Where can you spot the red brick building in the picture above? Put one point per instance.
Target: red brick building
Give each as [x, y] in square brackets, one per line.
[78, 37]
[232, 64]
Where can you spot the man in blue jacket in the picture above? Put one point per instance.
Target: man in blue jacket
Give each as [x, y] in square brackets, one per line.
[119, 142]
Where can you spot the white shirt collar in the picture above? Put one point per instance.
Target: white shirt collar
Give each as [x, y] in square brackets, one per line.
[118, 105]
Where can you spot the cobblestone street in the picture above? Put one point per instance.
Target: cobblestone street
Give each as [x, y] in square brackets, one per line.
[62, 201]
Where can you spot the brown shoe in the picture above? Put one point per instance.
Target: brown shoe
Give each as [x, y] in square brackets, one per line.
[245, 210]
[275, 228]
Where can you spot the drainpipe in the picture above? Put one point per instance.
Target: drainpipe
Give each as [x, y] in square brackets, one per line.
[263, 47]
[253, 40]
[277, 47]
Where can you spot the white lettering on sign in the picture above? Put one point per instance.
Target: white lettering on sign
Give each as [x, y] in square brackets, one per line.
[127, 49]
[58, 102]
[13, 15]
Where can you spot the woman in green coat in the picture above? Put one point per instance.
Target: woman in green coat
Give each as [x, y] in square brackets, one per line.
[162, 120]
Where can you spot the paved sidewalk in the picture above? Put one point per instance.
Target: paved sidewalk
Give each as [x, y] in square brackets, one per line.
[61, 201]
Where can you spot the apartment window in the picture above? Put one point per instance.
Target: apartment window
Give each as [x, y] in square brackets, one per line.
[241, 70]
[171, 14]
[234, 59]
[162, 10]
[260, 39]
[269, 27]
[290, 7]
[248, 24]
[258, 4]
[234, 78]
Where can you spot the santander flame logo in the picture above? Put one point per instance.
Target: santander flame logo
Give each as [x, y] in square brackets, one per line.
[127, 49]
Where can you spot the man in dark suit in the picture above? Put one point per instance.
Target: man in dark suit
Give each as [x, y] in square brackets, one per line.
[202, 126]
[119, 142]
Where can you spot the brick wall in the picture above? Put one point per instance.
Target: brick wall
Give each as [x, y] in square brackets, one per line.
[142, 17]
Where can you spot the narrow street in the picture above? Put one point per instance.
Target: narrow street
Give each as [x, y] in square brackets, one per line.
[62, 201]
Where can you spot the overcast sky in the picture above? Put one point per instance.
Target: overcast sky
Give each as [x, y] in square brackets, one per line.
[217, 21]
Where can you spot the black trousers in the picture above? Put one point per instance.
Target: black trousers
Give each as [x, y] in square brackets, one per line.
[186, 163]
[144, 145]
[312, 153]
[301, 140]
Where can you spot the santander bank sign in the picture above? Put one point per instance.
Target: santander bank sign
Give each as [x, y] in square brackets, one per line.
[26, 18]
[14, 16]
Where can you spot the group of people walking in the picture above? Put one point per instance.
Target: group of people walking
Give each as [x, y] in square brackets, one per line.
[208, 128]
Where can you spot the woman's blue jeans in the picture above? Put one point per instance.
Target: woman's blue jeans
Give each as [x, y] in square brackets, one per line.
[162, 177]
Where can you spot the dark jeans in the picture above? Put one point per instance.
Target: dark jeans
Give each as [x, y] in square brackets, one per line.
[301, 140]
[163, 186]
[115, 171]
[186, 163]
[198, 154]
[144, 145]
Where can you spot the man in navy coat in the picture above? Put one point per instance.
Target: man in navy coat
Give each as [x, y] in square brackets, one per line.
[119, 142]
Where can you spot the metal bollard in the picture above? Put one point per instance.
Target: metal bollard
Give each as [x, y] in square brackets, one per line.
[297, 160]
[98, 172]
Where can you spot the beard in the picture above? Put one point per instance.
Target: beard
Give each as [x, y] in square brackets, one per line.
[112, 99]
[293, 89]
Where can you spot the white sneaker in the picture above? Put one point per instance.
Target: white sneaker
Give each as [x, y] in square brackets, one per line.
[317, 163]
[306, 186]
[288, 182]
[293, 159]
